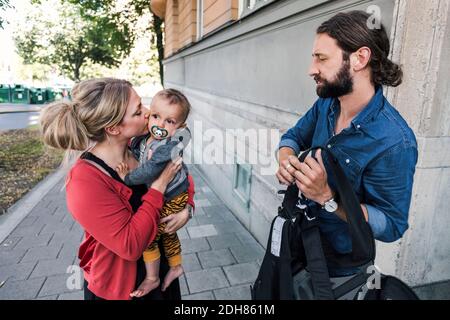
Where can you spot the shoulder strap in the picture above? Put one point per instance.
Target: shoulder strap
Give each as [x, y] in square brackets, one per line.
[363, 243]
[316, 262]
[91, 157]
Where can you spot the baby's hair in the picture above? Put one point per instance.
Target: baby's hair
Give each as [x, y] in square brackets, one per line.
[174, 96]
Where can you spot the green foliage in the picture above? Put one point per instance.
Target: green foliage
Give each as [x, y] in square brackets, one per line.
[129, 16]
[4, 4]
[73, 37]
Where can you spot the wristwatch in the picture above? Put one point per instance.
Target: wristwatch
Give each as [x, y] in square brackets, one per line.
[190, 211]
[330, 206]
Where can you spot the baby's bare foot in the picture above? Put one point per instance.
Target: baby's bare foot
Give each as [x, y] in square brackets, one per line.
[174, 272]
[145, 287]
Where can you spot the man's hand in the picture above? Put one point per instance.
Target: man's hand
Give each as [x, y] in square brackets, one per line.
[175, 221]
[283, 175]
[310, 177]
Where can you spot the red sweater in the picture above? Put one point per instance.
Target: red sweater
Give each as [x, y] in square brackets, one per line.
[115, 237]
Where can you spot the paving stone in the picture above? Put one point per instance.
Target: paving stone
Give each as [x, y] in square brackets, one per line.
[191, 223]
[194, 245]
[199, 195]
[205, 280]
[47, 219]
[183, 286]
[33, 241]
[224, 241]
[50, 208]
[21, 290]
[202, 203]
[53, 297]
[208, 219]
[28, 221]
[38, 253]
[61, 237]
[241, 292]
[9, 243]
[202, 231]
[230, 227]
[46, 242]
[52, 267]
[242, 273]
[182, 233]
[191, 263]
[32, 230]
[216, 210]
[77, 227]
[246, 238]
[199, 212]
[57, 284]
[247, 253]
[17, 271]
[434, 291]
[69, 249]
[43, 208]
[64, 226]
[77, 295]
[208, 295]
[223, 212]
[214, 200]
[11, 257]
[206, 189]
[216, 258]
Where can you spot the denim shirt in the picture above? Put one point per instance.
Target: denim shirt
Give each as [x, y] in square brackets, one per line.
[378, 153]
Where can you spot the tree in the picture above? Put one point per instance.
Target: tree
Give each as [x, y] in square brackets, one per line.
[129, 13]
[156, 27]
[72, 37]
[4, 4]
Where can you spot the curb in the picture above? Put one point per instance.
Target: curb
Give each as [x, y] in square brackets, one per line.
[20, 110]
[19, 211]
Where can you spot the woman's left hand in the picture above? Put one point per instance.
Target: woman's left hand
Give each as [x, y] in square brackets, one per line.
[175, 221]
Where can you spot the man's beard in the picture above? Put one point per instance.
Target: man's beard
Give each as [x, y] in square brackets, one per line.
[341, 86]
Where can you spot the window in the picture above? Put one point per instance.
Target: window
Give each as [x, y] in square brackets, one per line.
[242, 183]
[248, 6]
[199, 19]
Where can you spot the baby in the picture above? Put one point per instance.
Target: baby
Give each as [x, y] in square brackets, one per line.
[168, 137]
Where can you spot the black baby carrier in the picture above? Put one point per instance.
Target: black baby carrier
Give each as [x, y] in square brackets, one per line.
[295, 266]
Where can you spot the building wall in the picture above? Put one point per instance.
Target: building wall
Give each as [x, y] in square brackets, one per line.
[253, 75]
[187, 21]
[422, 44]
[216, 13]
[171, 30]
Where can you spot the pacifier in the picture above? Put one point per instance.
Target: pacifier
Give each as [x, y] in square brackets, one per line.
[159, 133]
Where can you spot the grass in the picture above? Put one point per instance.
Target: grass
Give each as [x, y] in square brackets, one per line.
[24, 161]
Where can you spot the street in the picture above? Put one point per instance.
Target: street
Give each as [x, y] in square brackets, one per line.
[18, 116]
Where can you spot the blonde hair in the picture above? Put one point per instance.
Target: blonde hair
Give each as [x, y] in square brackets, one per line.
[96, 104]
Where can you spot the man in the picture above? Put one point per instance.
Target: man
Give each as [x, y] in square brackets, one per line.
[372, 142]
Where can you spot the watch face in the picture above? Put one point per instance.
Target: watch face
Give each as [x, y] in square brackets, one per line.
[331, 206]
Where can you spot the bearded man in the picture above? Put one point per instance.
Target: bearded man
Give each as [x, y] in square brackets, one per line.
[369, 138]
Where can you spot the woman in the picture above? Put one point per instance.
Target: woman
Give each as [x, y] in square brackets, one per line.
[119, 221]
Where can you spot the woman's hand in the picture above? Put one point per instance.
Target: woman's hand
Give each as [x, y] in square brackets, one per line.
[175, 221]
[167, 175]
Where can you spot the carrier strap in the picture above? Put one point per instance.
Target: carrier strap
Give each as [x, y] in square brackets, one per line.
[316, 263]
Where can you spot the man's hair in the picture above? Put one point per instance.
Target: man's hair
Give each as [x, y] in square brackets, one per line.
[351, 32]
[176, 97]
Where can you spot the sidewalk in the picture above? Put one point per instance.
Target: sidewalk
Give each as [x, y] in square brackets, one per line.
[13, 108]
[220, 257]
